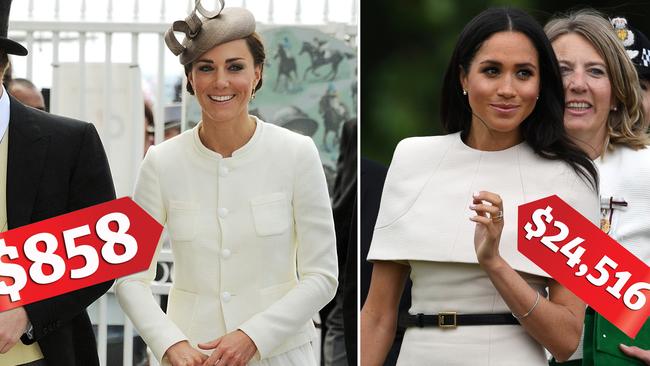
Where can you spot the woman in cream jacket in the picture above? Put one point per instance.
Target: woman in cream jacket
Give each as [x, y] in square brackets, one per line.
[247, 210]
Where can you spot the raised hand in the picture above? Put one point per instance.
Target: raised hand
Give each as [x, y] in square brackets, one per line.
[489, 225]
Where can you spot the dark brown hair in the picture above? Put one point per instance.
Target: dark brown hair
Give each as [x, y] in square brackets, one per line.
[256, 48]
[543, 129]
[5, 70]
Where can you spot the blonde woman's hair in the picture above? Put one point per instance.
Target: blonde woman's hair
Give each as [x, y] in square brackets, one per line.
[627, 125]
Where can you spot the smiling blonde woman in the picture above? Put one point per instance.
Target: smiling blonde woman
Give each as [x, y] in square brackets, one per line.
[604, 115]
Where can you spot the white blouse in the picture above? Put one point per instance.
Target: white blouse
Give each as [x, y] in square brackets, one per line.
[625, 196]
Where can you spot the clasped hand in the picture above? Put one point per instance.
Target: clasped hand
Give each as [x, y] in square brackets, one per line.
[13, 324]
[233, 349]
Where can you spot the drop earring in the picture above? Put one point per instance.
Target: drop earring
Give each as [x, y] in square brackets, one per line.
[252, 96]
[464, 92]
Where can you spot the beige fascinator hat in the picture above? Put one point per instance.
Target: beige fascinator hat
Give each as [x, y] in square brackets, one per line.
[216, 27]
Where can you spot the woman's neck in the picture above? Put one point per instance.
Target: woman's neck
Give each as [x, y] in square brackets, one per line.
[489, 140]
[591, 142]
[226, 138]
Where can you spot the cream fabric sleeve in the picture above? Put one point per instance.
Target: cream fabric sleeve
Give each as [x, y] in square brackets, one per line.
[134, 292]
[413, 162]
[315, 258]
[424, 213]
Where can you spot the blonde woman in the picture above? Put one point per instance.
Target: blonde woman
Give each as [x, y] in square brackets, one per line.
[604, 115]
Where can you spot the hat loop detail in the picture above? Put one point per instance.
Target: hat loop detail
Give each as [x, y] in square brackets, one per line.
[208, 14]
[172, 42]
[191, 26]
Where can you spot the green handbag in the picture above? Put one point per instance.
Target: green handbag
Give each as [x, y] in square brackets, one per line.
[602, 339]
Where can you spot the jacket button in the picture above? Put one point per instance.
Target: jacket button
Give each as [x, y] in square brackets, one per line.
[223, 171]
[223, 212]
[225, 254]
[225, 296]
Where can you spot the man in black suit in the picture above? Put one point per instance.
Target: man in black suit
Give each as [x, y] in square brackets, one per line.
[54, 165]
[372, 183]
[372, 179]
[344, 210]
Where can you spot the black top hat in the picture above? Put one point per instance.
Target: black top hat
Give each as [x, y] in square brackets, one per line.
[636, 45]
[295, 119]
[6, 44]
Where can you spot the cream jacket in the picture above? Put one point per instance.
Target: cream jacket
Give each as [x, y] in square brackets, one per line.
[625, 177]
[252, 238]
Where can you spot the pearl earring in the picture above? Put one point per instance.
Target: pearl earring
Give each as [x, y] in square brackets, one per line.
[614, 108]
[464, 92]
[252, 95]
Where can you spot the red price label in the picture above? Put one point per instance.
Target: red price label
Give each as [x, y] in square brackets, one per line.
[587, 261]
[75, 250]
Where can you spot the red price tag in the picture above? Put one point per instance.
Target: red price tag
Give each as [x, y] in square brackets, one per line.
[75, 250]
[585, 260]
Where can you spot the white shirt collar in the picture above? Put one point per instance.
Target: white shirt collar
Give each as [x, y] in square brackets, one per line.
[4, 112]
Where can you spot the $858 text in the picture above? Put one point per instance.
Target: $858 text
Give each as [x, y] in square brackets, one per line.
[72, 249]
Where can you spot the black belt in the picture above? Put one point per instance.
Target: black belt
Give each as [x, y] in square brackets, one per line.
[452, 320]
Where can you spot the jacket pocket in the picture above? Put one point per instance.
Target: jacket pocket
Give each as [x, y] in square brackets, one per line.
[181, 220]
[270, 213]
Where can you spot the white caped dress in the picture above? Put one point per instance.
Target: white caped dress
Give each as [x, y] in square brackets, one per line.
[424, 221]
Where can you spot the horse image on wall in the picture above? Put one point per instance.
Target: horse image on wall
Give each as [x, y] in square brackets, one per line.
[323, 58]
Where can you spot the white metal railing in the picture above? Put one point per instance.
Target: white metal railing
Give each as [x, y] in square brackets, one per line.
[135, 27]
[36, 20]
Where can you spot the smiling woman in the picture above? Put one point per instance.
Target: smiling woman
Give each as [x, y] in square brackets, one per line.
[502, 86]
[449, 209]
[588, 92]
[224, 80]
[248, 214]
[604, 115]
[603, 94]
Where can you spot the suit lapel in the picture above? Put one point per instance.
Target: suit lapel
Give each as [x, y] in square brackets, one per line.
[25, 162]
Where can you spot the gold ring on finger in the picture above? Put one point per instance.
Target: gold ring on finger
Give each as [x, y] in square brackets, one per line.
[498, 217]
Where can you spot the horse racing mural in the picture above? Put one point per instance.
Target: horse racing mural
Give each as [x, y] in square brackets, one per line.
[309, 87]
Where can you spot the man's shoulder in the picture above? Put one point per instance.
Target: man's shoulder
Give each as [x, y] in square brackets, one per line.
[54, 123]
[30, 121]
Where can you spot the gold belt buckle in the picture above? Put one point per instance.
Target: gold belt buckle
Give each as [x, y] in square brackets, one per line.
[447, 319]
